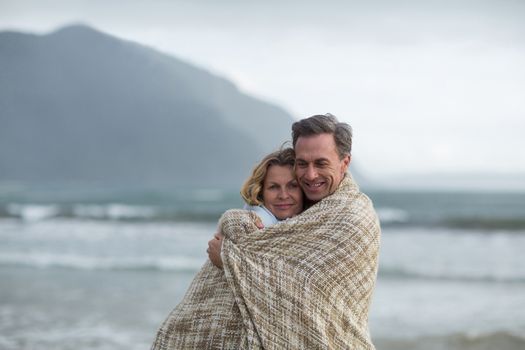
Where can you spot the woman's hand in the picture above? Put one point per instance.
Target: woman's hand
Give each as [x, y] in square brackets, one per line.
[259, 223]
[214, 249]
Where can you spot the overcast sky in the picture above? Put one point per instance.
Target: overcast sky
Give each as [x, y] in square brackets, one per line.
[435, 86]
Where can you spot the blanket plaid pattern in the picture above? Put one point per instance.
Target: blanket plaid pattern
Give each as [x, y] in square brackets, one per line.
[304, 283]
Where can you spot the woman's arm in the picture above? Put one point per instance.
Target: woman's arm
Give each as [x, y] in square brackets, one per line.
[215, 245]
[214, 249]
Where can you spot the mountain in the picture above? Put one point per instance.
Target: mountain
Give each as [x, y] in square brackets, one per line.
[81, 106]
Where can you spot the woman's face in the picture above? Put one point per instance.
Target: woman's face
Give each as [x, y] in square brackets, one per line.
[281, 192]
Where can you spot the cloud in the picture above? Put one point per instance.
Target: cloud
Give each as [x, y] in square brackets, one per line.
[423, 83]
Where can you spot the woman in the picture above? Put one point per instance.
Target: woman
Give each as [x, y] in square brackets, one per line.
[272, 188]
[273, 194]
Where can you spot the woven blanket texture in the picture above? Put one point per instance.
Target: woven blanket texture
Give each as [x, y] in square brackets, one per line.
[304, 283]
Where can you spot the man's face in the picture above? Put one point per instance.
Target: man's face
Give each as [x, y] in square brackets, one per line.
[317, 165]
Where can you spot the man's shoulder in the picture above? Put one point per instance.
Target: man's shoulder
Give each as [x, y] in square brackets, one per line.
[360, 201]
[359, 207]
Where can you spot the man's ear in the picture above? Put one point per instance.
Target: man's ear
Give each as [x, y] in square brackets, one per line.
[345, 163]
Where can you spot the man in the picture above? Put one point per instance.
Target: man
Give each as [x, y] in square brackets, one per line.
[322, 153]
[303, 283]
[308, 282]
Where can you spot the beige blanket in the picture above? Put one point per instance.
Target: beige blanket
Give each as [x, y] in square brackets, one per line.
[305, 283]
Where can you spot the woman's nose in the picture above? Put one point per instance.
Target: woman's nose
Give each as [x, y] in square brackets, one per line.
[283, 193]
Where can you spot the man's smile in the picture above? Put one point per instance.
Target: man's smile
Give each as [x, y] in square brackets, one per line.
[314, 185]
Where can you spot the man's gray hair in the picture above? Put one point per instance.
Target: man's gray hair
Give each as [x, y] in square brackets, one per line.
[325, 124]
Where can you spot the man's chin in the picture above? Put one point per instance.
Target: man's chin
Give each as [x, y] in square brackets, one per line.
[315, 196]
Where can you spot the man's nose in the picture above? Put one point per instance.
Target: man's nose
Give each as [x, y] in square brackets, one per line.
[311, 174]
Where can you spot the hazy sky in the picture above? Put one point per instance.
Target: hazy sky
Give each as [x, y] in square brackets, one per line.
[428, 86]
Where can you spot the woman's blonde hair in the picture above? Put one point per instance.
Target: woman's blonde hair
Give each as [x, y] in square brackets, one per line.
[252, 190]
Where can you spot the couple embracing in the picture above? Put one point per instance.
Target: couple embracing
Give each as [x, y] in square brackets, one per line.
[297, 269]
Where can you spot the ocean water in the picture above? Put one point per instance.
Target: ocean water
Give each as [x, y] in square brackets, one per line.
[102, 270]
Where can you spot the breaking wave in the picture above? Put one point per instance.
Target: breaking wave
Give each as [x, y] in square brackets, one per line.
[45, 260]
